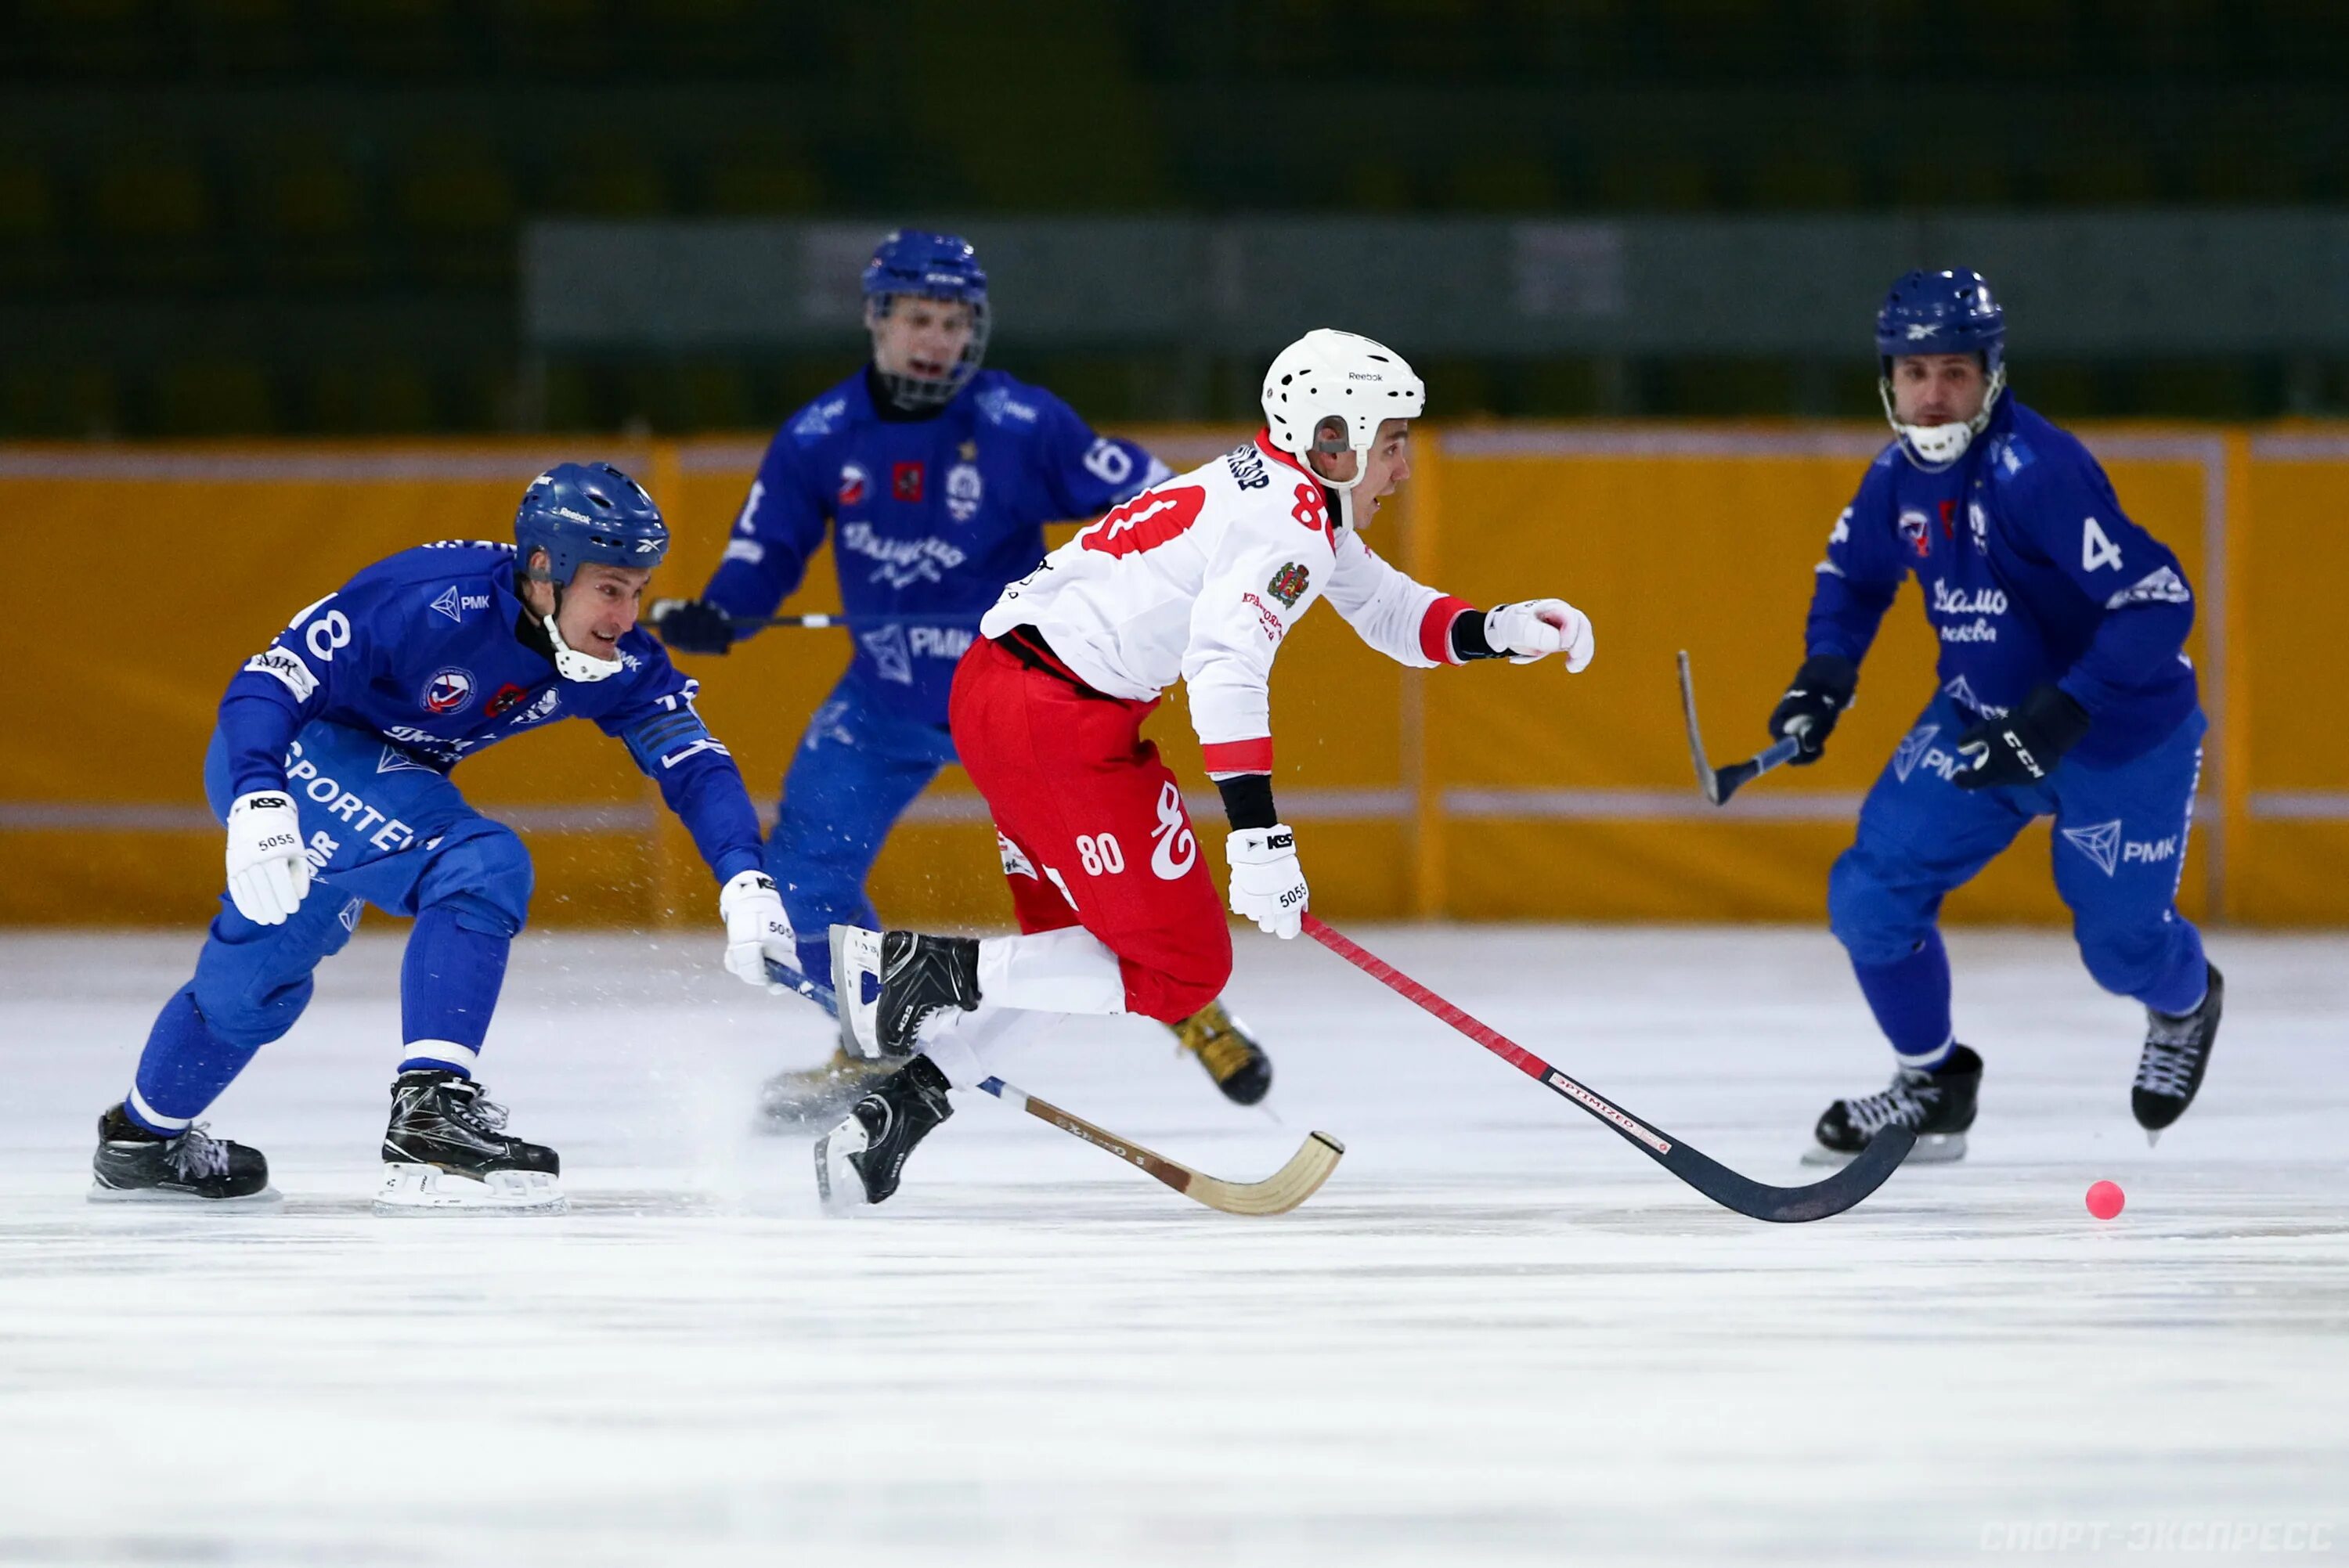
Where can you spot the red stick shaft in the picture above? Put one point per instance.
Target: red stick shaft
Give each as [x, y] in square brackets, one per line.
[1411, 990]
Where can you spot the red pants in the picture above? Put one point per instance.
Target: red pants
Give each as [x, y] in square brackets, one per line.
[1092, 827]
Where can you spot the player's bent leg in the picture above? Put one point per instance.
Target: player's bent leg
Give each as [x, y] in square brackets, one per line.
[445, 1147]
[852, 776]
[252, 983]
[473, 901]
[2119, 850]
[1919, 836]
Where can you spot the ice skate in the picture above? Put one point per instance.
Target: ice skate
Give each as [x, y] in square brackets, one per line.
[913, 977]
[1231, 1056]
[134, 1165]
[2176, 1049]
[807, 1100]
[1938, 1105]
[446, 1152]
[858, 1162]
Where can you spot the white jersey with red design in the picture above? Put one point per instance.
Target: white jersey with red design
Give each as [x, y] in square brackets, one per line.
[1200, 578]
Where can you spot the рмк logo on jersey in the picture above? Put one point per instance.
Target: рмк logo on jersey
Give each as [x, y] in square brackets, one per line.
[449, 690]
[2100, 841]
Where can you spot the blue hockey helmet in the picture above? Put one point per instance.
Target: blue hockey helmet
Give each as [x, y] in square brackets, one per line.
[1948, 312]
[580, 512]
[916, 263]
[1951, 311]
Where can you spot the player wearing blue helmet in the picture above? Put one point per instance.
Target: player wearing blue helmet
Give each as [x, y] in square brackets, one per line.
[935, 478]
[2064, 691]
[330, 768]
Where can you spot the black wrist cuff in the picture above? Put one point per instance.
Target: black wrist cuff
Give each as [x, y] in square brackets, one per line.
[1831, 673]
[1469, 638]
[1248, 800]
[2056, 714]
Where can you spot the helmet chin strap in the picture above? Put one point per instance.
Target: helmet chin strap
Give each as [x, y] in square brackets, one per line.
[1345, 487]
[569, 662]
[1936, 448]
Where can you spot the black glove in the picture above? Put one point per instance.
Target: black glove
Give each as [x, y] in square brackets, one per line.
[2025, 745]
[1821, 691]
[695, 626]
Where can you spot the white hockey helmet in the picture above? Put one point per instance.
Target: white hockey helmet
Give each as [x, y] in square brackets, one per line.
[1327, 392]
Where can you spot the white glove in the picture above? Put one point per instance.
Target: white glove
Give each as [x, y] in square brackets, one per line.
[1267, 885]
[267, 876]
[1537, 628]
[756, 927]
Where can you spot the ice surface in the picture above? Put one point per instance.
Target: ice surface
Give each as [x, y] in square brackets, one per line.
[1498, 1334]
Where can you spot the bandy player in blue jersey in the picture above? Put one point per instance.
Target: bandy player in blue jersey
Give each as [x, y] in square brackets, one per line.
[936, 478]
[2065, 692]
[330, 768]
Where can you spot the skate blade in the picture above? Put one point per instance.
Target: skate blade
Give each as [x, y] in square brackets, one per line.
[267, 1197]
[411, 1190]
[1933, 1148]
[838, 1187]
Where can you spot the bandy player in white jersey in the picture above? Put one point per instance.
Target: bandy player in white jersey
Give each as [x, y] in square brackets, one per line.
[1197, 579]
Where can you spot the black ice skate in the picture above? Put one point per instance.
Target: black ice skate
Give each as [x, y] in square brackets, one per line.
[446, 1151]
[134, 1165]
[2176, 1049]
[1937, 1105]
[858, 1162]
[1224, 1048]
[809, 1099]
[915, 977]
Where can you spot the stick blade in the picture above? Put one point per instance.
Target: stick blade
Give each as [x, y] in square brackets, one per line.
[1846, 1189]
[1279, 1192]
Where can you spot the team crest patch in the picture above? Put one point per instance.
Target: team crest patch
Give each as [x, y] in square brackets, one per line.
[1915, 527]
[1288, 583]
[502, 703]
[450, 690]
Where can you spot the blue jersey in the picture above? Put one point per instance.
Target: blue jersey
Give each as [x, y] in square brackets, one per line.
[432, 651]
[2031, 572]
[929, 515]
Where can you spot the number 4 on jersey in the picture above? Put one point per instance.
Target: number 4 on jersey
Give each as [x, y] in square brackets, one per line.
[2096, 550]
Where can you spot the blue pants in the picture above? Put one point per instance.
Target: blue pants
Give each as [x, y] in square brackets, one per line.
[2119, 851]
[381, 830]
[857, 769]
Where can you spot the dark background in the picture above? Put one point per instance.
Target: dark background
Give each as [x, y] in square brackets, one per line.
[228, 217]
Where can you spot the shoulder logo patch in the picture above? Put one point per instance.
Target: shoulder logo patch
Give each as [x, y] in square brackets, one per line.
[1288, 583]
[447, 604]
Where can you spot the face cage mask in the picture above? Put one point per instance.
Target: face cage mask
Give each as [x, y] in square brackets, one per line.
[1935, 448]
[912, 392]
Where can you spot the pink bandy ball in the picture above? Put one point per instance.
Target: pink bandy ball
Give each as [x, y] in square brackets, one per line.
[2104, 1199]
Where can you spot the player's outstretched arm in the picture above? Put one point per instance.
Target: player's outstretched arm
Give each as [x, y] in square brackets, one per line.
[700, 784]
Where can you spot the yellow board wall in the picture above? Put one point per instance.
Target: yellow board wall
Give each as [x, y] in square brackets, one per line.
[1492, 792]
